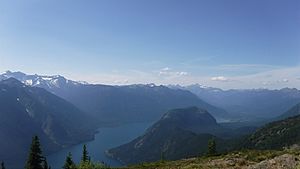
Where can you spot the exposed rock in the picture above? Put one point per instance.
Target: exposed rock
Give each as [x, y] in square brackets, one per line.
[286, 161]
[233, 163]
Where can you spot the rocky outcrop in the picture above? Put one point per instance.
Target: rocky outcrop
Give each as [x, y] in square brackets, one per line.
[286, 161]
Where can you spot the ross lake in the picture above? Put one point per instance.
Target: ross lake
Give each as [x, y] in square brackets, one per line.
[106, 138]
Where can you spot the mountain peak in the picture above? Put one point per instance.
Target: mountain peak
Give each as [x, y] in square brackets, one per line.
[7, 72]
[44, 81]
[191, 118]
[12, 82]
[175, 130]
[16, 74]
[189, 115]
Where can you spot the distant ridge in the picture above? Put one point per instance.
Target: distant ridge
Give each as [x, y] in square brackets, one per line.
[248, 104]
[294, 111]
[119, 104]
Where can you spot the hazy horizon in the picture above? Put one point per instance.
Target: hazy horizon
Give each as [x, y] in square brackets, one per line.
[157, 84]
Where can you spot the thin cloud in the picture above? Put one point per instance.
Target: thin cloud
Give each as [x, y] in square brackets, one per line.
[273, 79]
[166, 69]
[283, 81]
[220, 78]
[168, 72]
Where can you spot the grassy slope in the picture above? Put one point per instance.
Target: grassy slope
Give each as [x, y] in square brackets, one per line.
[239, 159]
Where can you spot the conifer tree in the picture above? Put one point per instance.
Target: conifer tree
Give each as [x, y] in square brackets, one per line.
[45, 164]
[162, 156]
[69, 164]
[211, 147]
[35, 159]
[85, 157]
[2, 165]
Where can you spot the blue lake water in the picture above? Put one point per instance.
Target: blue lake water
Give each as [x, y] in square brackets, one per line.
[106, 138]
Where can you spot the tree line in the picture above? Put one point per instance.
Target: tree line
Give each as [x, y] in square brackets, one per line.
[36, 160]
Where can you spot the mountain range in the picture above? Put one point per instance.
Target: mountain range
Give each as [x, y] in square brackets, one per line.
[65, 112]
[247, 104]
[27, 111]
[225, 105]
[118, 104]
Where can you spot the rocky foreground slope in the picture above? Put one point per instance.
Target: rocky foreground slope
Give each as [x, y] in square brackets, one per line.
[287, 159]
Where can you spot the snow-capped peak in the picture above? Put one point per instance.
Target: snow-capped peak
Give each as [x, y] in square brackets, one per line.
[55, 81]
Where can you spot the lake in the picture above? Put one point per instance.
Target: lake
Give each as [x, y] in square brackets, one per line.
[106, 138]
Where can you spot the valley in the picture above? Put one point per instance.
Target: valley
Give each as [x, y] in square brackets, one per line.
[149, 84]
[128, 125]
[105, 139]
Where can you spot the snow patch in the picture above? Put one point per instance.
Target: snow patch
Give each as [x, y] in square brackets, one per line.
[29, 82]
[46, 78]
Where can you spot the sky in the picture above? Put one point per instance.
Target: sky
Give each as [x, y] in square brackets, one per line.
[219, 43]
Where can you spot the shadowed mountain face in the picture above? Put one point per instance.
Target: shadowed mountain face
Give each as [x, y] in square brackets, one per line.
[192, 119]
[275, 135]
[294, 111]
[119, 104]
[27, 111]
[250, 103]
[183, 133]
[178, 134]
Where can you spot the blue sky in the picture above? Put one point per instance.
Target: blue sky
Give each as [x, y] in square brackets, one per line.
[222, 43]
